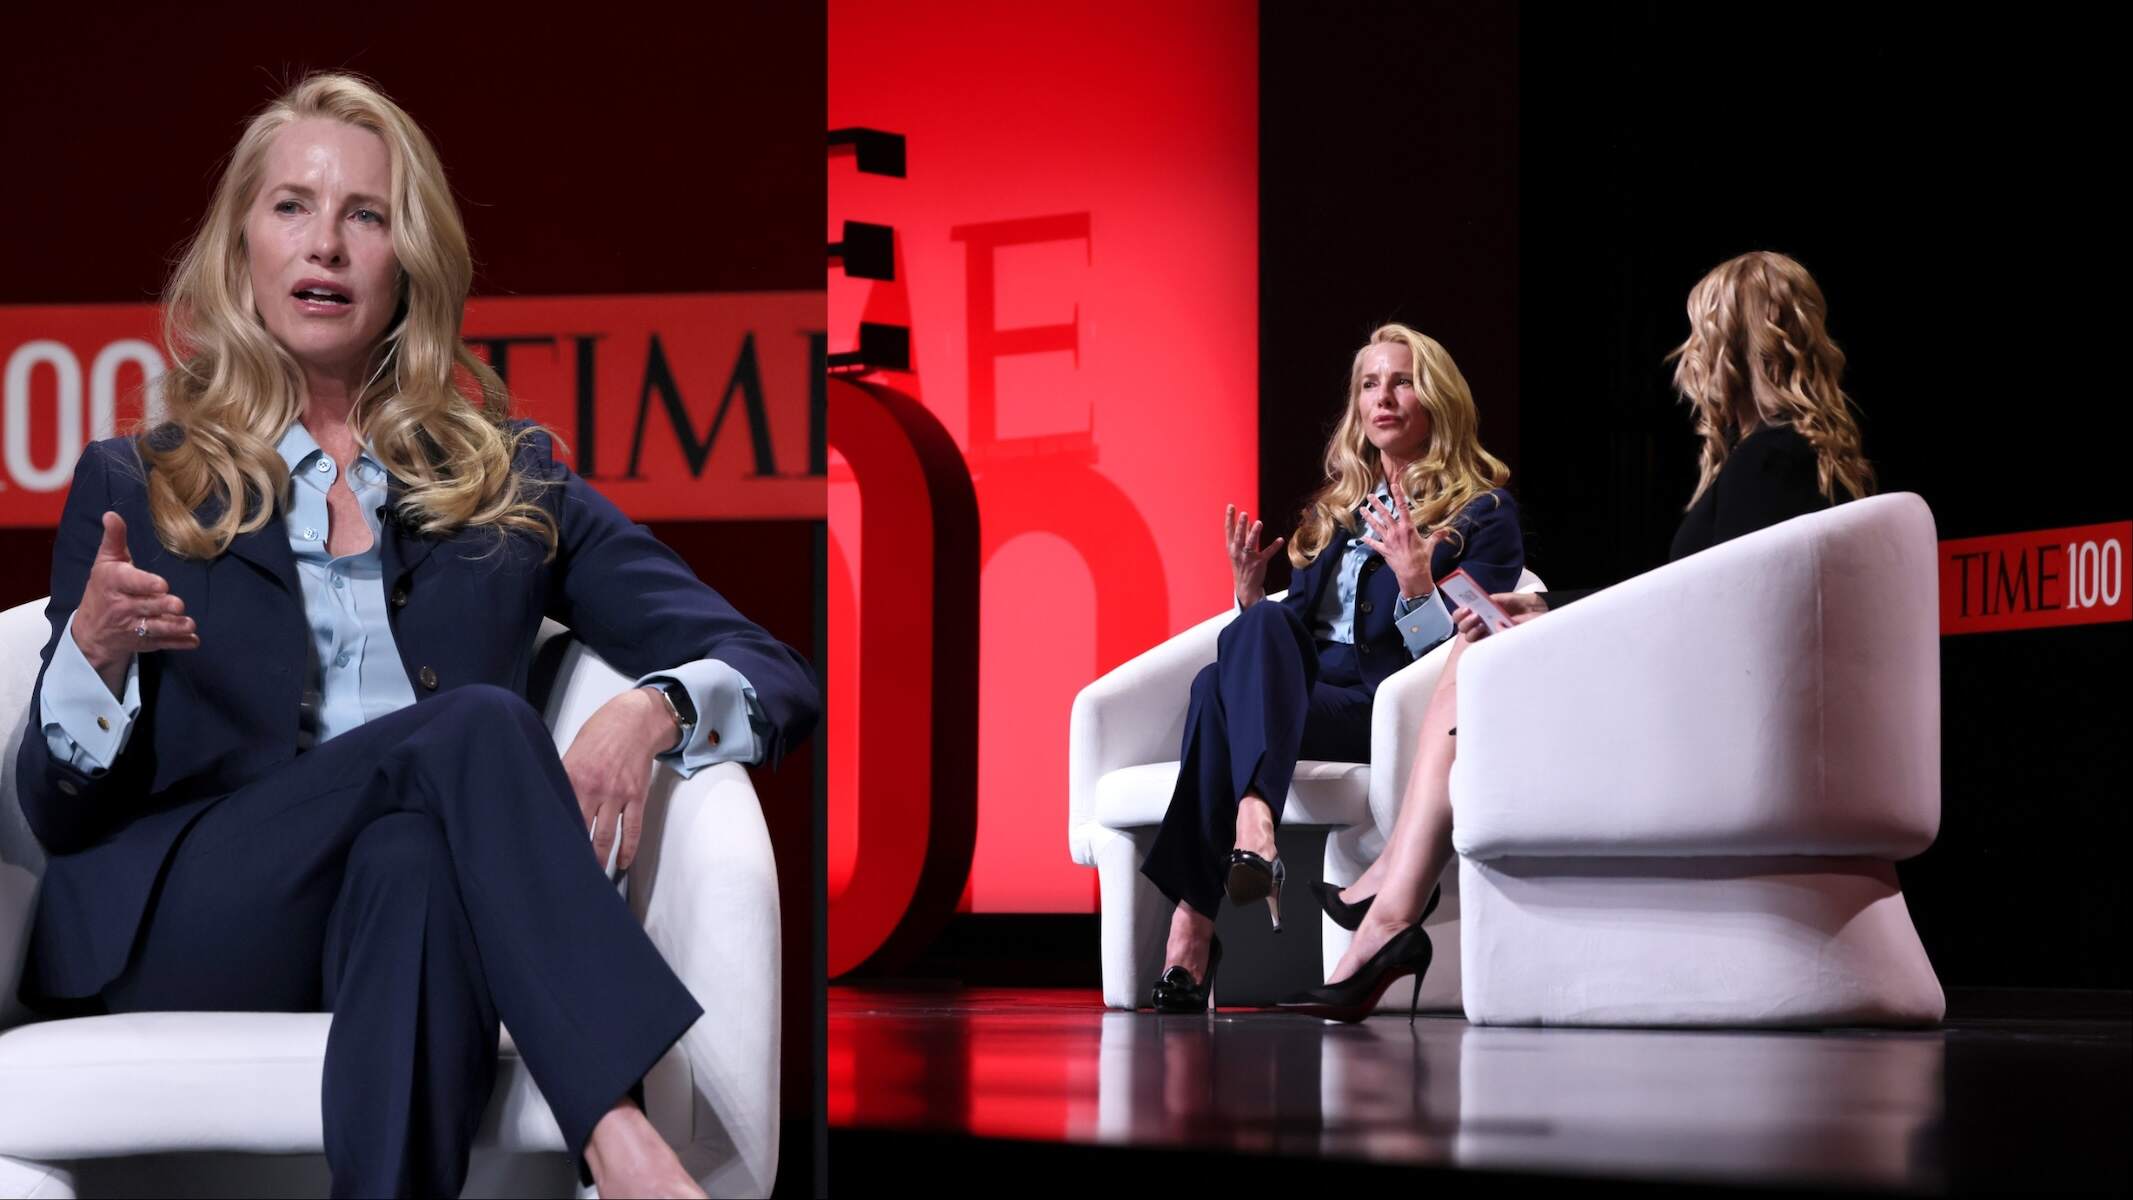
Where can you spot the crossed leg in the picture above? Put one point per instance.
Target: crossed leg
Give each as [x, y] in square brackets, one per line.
[422, 877]
[1192, 932]
[1421, 843]
[1272, 696]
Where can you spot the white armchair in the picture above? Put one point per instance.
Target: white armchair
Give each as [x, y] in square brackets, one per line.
[1122, 760]
[1680, 801]
[196, 1102]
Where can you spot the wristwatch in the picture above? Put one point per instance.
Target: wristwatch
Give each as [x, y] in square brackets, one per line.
[679, 706]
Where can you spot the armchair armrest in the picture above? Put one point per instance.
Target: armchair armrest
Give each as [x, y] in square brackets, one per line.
[705, 887]
[23, 631]
[1133, 714]
[1395, 716]
[1776, 694]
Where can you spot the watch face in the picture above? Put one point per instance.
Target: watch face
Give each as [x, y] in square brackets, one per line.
[679, 697]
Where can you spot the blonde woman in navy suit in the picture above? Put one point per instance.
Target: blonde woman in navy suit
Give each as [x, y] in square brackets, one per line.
[280, 754]
[1409, 496]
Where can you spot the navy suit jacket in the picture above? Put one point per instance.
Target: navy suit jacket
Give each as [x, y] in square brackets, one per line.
[463, 612]
[1492, 550]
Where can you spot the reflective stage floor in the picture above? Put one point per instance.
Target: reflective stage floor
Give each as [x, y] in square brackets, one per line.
[2020, 1091]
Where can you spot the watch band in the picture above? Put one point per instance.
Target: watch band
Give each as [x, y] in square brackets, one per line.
[679, 707]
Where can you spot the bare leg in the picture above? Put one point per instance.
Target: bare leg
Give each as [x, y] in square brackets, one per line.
[1255, 825]
[1370, 882]
[1190, 936]
[629, 1158]
[1366, 885]
[1421, 843]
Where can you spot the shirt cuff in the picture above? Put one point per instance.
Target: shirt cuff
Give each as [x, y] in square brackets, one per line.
[1424, 625]
[84, 724]
[730, 725]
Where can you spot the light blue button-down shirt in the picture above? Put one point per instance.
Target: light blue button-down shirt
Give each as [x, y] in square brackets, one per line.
[356, 674]
[350, 681]
[1422, 624]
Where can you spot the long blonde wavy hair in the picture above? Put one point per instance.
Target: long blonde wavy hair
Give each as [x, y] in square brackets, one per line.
[1451, 473]
[234, 390]
[1759, 349]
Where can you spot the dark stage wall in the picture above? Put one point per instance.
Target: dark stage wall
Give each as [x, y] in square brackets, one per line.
[597, 153]
[1388, 191]
[1539, 187]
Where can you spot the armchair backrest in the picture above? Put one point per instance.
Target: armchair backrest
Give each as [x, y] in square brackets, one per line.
[23, 630]
[1775, 694]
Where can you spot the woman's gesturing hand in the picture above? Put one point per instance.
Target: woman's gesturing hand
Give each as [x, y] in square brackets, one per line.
[1247, 562]
[125, 610]
[1521, 607]
[610, 768]
[1405, 549]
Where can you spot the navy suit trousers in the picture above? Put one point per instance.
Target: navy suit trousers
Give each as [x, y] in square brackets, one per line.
[1271, 697]
[421, 877]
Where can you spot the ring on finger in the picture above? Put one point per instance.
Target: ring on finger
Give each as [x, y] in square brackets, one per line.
[140, 629]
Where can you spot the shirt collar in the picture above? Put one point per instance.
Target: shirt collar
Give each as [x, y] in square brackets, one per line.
[297, 446]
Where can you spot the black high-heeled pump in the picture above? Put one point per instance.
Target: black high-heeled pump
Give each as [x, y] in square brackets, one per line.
[1254, 878]
[1176, 992]
[1355, 997]
[1350, 916]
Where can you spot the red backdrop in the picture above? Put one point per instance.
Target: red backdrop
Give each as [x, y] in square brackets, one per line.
[1077, 250]
[681, 408]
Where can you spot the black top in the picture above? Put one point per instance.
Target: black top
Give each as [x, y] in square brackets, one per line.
[1771, 476]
